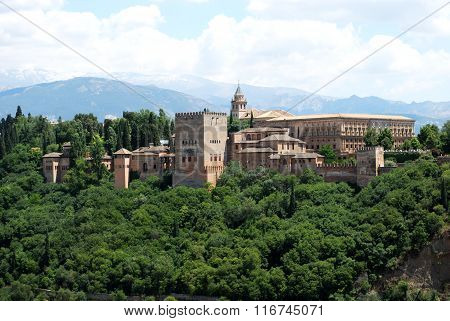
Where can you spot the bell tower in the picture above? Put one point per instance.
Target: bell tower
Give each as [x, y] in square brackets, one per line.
[238, 104]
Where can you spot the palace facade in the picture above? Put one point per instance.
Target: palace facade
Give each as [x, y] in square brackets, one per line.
[280, 141]
[343, 132]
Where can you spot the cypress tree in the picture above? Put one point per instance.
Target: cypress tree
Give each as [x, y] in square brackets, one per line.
[292, 202]
[2, 146]
[19, 112]
[126, 132]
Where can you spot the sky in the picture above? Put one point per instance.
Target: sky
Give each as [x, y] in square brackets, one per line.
[289, 43]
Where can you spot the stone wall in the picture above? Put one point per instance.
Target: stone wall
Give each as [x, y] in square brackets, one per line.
[338, 173]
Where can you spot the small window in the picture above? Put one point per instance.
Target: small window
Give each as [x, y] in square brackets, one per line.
[189, 159]
[183, 159]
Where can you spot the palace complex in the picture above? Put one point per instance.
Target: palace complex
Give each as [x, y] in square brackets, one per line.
[202, 147]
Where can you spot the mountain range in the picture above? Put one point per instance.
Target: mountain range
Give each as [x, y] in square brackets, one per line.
[108, 98]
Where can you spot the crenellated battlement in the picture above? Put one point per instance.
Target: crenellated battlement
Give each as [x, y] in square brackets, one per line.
[336, 166]
[198, 114]
[368, 149]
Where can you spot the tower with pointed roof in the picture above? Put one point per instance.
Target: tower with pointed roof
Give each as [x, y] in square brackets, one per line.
[239, 104]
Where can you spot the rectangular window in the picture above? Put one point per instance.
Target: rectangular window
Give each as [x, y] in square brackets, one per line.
[189, 159]
[183, 159]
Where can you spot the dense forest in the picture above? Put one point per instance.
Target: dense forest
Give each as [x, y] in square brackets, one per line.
[258, 235]
[133, 130]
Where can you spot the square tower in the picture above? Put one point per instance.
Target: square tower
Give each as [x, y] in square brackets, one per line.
[122, 168]
[368, 160]
[200, 143]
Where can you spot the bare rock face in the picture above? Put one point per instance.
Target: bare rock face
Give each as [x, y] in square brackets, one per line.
[428, 269]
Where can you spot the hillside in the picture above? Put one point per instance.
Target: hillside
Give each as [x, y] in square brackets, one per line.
[97, 95]
[185, 93]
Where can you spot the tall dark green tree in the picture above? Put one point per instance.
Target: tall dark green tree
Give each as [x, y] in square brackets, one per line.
[445, 137]
[19, 112]
[97, 151]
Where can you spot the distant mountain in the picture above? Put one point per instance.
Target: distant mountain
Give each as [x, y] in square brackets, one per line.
[220, 94]
[184, 93]
[100, 96]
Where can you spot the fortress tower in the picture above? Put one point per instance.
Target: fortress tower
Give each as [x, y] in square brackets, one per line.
[200, 142]
[239, 104]
[369, 160]
[121, 168]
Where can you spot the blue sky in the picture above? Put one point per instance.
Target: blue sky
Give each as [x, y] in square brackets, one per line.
[288, 43]
[183, 19]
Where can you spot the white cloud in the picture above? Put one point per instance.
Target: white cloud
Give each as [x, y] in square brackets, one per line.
[271, 47]
[32, 4]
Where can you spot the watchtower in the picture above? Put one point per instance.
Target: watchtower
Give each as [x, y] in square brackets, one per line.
[368, 161]
[200, 143]
[121, 168]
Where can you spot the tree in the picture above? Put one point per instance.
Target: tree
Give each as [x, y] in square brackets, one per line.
[406, 145]
[329, 153]
[445, 137]
[19, 112]
[415, 144]
[251, 120]
[429, 136]
[111, 140]
[385, 139]
[292, 201]
[2, 146]
[97, 150]
[371, 137]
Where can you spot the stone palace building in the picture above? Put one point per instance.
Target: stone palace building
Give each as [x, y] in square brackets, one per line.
[278, 140]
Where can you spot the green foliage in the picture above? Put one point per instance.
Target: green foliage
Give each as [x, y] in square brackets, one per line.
[402, 157]
[235, 125]
[445, 137]
[412, 143]
[329, 153]
[429, 136]
[258, 235]
[385, 139]
[371, 137]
